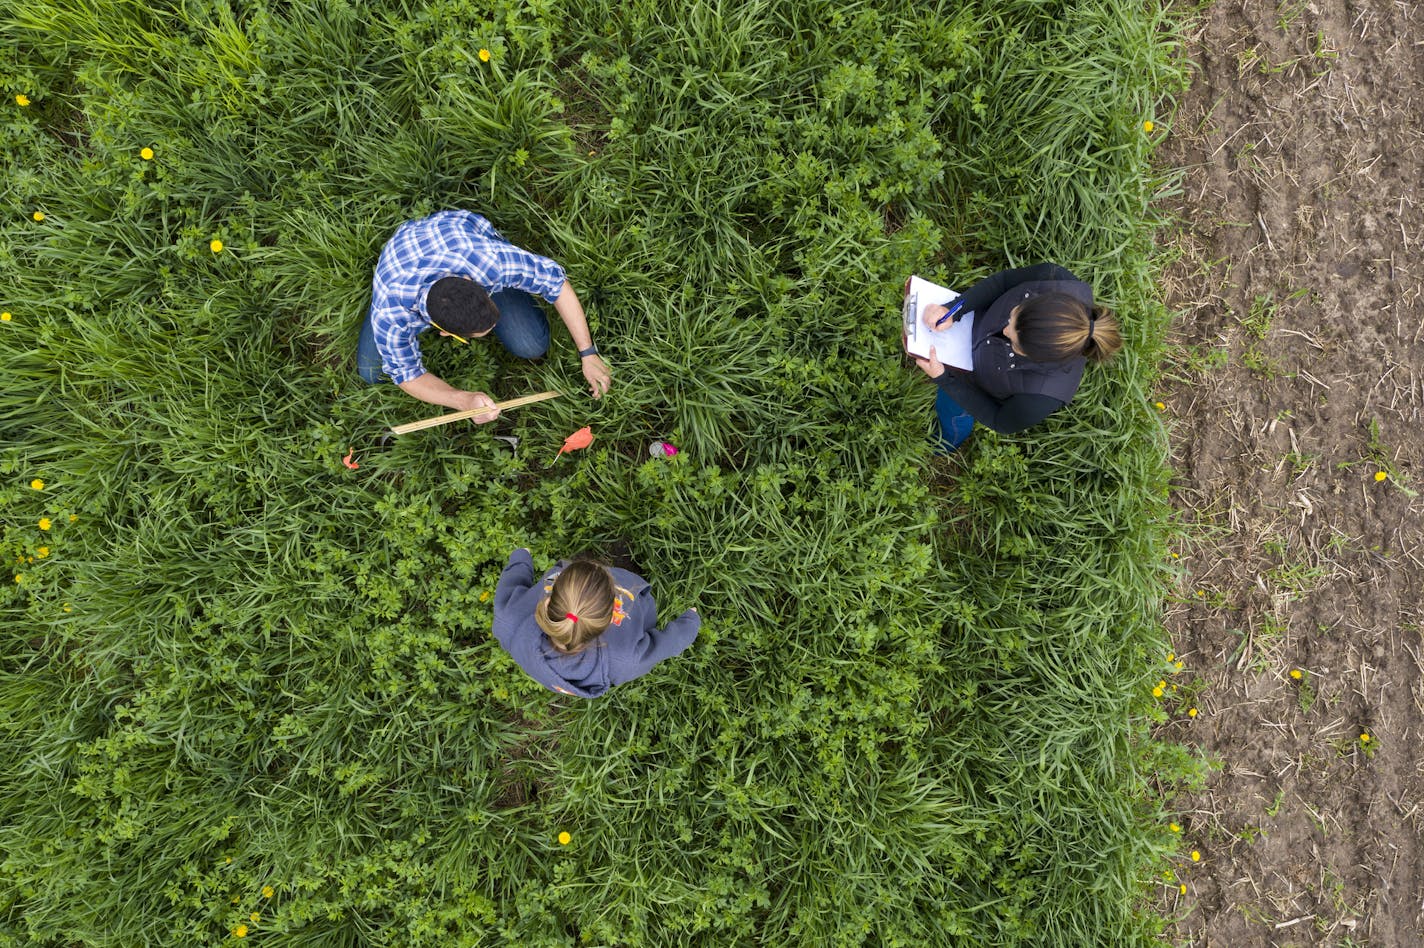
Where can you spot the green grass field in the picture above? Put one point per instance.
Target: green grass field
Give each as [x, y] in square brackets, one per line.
[244, 685]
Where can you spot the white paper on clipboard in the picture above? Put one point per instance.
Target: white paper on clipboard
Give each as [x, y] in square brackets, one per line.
[954, 343]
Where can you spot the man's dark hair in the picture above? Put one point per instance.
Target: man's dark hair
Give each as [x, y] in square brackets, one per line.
[461, 306]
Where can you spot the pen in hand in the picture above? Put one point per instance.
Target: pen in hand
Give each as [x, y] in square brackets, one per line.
[949, 313]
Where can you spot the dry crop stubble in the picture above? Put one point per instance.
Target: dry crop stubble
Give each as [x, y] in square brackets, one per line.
[1317, 201]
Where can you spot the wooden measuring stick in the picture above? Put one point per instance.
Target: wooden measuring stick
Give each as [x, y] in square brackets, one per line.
[462, 415]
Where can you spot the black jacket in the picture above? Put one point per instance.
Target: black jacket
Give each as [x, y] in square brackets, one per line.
[1005, 391]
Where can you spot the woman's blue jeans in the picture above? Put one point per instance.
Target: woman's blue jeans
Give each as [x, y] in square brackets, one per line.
[955, 424]
[523, 330]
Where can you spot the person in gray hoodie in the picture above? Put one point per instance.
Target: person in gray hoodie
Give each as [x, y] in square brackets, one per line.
[582, 628]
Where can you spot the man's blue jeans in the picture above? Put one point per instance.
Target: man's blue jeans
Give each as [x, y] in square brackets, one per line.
[955, 424]
[523, 330]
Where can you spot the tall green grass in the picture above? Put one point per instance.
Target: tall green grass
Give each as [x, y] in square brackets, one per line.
[917, 712]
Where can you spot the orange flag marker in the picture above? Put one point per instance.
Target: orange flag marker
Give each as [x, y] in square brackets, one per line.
[576, 441]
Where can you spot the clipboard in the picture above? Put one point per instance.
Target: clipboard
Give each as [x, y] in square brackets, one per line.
[954, 342]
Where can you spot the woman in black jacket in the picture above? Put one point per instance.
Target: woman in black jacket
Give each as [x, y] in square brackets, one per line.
[1034, 330]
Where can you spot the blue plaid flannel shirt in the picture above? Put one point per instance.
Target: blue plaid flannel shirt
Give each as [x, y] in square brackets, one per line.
[447, 243]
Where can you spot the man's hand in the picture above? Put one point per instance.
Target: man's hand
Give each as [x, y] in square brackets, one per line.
[570, 310]
[595, 370]
[469, 401]
[931, 366]
[435, 390]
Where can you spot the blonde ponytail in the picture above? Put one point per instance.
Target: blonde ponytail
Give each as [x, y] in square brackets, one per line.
[1052, 327]
[578, 608]
[1104, 337]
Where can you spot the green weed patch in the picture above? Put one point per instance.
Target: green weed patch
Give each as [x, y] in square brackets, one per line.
[249, 690]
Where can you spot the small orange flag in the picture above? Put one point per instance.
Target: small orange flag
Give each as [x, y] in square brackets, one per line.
[579, 439]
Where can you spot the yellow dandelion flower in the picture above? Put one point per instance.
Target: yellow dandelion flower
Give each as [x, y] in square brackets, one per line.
[484, 55]
[19, 577]
[22, 100]
[37, 484]
[1196, 856]
[255, 917]
[565, 839]
[44, 523]
[1171, 656]
[146, 154]
[1364, 738]
[1156, 692]
[1162, 683]
[1178, 666]
[1174, 827]
[1161, 406]
[1295, 673]
[1182, 888]
[68, 607]
[1176, 556]
[42, 552]
[38, 215]
[73, 517]
[1191, 712]
[240, 931]
[485, 596]
[1147, 126]
[215, 246]
[267, 892]
[5, 317]
[1379, 475]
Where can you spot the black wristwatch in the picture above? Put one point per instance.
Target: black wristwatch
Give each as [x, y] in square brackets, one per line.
[590, 351]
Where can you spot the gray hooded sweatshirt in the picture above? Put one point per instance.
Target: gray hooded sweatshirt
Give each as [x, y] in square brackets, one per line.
[630, 647]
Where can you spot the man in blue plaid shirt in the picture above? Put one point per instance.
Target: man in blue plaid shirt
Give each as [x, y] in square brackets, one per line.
[453, 271]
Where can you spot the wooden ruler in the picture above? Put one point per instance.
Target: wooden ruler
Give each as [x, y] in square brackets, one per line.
[472, 413]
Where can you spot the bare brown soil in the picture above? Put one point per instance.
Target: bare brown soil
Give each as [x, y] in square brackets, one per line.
[1298, 377]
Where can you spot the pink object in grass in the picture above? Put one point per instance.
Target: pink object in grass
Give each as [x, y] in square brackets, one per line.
[662, 448]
